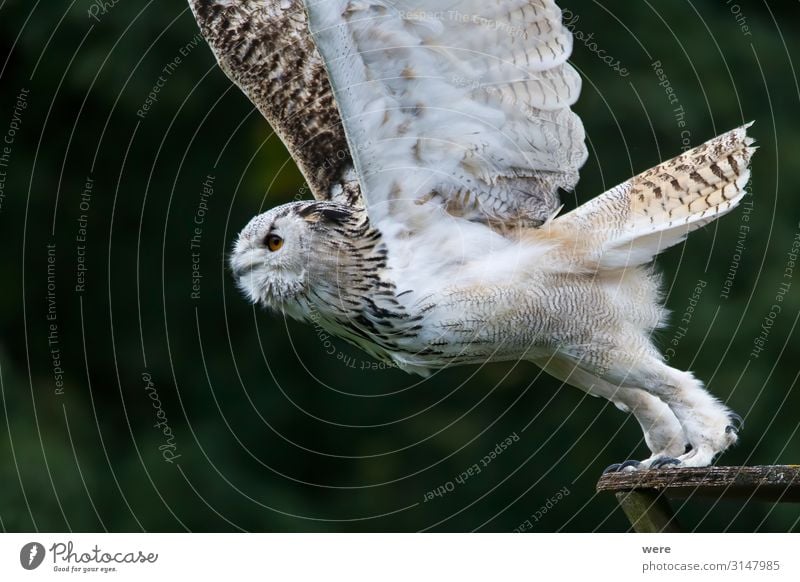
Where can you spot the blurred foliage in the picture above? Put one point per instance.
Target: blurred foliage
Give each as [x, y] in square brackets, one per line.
[273, 432]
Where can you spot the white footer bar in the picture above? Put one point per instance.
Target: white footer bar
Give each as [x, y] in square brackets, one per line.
[400, 557]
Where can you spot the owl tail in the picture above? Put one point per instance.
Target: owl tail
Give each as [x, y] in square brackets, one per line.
[633, 222]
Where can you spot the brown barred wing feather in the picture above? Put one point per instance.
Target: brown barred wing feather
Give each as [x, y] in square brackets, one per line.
[265, 48]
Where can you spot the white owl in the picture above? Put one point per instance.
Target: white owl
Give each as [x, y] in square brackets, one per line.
[435, 136]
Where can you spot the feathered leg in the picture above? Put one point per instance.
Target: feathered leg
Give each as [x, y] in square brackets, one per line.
[709, 427]
[663, 433]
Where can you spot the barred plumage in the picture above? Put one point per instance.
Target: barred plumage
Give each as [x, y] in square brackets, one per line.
[264, 47]
[633, 222]
[454, 255]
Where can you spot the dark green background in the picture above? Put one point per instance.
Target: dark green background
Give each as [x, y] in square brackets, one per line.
[275, 434]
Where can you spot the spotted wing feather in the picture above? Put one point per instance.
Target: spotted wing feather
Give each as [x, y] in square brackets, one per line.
[633, 222]
[265, 48]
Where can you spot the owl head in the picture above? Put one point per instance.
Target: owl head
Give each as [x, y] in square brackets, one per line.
[283, 253]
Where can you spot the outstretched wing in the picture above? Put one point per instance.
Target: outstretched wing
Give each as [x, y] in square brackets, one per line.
[633, 222]
[265, 47]
[463, 104]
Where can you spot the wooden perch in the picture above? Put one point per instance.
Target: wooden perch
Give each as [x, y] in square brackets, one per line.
[642, 494]
[765, 482]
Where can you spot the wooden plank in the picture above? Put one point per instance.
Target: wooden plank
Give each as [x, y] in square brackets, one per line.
[648, 511]
[776, 483]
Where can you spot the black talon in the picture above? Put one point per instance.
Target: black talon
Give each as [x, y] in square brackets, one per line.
[663, 462]
[619, 467]
[737, 423]
[629, 463]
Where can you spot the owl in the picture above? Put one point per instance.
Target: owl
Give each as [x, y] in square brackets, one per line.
[435, 137]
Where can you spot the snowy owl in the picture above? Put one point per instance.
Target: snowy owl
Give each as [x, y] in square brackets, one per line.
[435, 136]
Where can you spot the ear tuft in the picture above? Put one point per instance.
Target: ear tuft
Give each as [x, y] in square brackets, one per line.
[336, 215]
[315, 212]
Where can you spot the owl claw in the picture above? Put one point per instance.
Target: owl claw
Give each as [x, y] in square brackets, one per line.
[663, 462]
[620, 467]
[737, 423]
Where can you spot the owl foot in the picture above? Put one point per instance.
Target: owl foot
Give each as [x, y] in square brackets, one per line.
[630, 464]
[711, 433]
[662, 462]
[654, 462]
[737, 423]
[700, 456]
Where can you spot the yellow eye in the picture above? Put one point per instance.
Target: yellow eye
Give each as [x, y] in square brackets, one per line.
[274, 242]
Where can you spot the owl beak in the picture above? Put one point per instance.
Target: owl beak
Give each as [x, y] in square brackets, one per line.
[243, 262]
[240, 271]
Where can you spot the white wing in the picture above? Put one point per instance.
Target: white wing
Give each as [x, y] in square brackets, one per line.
[459, 104]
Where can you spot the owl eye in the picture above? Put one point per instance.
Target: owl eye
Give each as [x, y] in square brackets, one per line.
[274, 242]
